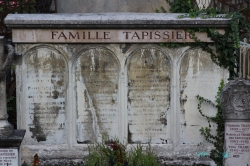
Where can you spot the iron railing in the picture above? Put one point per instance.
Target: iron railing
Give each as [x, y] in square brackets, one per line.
[244, 60]
[227, 5]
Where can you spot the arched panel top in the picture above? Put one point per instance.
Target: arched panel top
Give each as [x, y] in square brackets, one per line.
[140, 49]
[97, 50]
[44, 49]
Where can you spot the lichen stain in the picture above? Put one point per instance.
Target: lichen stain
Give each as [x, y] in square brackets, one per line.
[129, 136]
[55, 94]
[47, 64]
[99, 73]
[45, 59]
[37, 130]
[86, 98]
[125, 47]
[163, 121]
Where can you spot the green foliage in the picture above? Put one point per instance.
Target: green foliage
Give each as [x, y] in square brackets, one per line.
[226, 45]
[115, 154]
[138, 157]
[10, 101]
[180, 6]
[218, 139]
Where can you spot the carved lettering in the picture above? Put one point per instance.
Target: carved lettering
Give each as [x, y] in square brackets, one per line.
[62, 35]
[74, 36]
[53, 34]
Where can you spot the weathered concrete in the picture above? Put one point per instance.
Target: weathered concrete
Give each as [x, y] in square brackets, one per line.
[111, 21]
[95, 6]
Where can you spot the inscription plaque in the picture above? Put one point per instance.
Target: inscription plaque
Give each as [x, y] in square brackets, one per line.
[148, 96]
[237, 143]
[8, 157]
[106, 36]
[96, 92]
[45, 73]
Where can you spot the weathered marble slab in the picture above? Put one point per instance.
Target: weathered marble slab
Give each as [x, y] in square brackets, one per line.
[198, 76]
[44, 86]
[96, 95]
[149, 79]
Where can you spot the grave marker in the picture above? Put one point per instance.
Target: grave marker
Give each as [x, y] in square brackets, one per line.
[235, 100]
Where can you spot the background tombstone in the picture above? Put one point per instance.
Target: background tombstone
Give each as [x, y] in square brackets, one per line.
[235, 100]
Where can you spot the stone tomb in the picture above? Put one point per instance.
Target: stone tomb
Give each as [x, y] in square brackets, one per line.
[72, 91]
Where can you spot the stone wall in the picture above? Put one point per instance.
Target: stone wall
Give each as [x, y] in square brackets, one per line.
[95, 6]
[74, 94]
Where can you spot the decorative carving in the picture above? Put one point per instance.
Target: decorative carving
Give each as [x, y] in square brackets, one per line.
[235, 99]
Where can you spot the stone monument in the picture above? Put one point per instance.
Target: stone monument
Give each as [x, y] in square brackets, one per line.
[88, 77]
[10, 139]
[235, 100]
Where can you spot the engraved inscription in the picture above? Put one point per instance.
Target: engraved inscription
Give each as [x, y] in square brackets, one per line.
[237, 141]
[8, 157]
[45, 93]
[96, 92]
[148, 96]
[106, 36]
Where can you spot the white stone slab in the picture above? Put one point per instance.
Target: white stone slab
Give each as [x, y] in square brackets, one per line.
[237, 143]
[96, 95]
[44, 90]
[199, 75]
[8, 157]
[149, 78]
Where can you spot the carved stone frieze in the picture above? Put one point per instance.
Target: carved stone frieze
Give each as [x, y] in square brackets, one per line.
[235, 99]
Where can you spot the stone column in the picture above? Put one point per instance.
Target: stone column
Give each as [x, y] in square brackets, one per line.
[6, 129]
[235, 103]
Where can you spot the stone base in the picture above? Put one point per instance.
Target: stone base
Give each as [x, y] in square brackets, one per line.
[6, 129]
[201, 161]
[14, 140]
